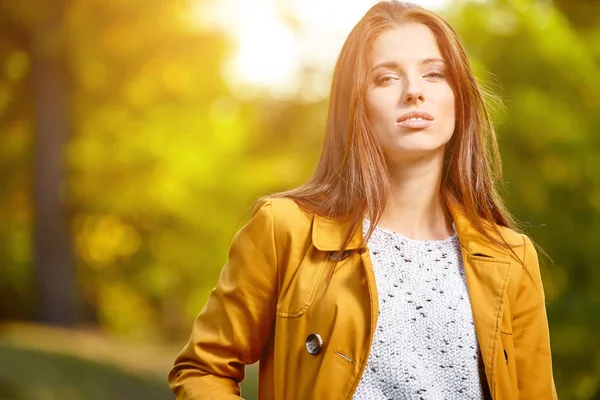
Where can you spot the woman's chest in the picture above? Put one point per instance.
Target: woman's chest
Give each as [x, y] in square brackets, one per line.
[343, 310]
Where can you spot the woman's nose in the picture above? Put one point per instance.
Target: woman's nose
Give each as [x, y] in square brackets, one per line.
[413, 97]
[412, 92]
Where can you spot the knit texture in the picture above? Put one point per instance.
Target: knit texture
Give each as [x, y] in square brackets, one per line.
[425, 345]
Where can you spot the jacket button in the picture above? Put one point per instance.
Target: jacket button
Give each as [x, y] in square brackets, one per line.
[314, 343]
[339, 256]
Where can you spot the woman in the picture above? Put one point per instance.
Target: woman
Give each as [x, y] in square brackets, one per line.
[395, 272]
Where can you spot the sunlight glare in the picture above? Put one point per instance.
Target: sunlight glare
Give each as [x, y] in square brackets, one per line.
[269, 54]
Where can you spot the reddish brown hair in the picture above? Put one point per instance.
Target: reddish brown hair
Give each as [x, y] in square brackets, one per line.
[352, 177]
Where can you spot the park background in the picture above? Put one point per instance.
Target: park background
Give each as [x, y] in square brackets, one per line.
[135, 136]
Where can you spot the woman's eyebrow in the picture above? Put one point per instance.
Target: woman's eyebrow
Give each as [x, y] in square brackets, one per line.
[395, 65]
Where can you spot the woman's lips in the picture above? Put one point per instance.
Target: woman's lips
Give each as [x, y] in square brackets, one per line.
[412, 123]
[417, 119]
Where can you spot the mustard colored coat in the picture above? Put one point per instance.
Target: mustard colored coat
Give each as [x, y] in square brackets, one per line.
[266, 304]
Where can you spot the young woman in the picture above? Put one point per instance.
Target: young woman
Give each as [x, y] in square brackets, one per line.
[395, 272]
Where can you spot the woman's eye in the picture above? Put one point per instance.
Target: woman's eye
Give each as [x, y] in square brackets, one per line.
[385, 79]
[435, 75]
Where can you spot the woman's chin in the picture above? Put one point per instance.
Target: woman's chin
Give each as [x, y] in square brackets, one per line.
[415, 151]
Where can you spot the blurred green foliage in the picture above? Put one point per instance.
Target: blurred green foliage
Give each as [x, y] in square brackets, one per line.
[165, 159]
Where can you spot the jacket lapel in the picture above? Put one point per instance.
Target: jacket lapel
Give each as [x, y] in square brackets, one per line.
[487, 270]
[329, 234]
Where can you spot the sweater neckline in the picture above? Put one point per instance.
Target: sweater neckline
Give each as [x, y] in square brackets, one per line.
[397, 235]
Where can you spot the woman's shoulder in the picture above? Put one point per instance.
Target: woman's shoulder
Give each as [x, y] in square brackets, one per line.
[491, 238]
[281, 208]
[284, 213]
[511, 236]
[520, 243]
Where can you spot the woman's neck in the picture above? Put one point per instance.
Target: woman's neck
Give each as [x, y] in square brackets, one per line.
[415, 208]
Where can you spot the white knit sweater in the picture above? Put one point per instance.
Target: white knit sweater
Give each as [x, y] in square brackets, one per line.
[425, 346]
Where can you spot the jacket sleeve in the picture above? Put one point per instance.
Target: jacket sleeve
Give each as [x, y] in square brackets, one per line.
[531, 336]
[235, 323]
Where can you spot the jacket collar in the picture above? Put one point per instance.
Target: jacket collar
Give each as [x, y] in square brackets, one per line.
[329, 234]
[472, 241]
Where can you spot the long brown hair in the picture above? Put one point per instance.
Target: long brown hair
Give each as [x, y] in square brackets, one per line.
[352, 178]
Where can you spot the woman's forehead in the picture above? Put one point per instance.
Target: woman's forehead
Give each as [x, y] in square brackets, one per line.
[406, 44]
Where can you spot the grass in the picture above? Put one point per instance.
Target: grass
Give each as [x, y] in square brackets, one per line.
[39, 363]
[42, 363]
[34, 374]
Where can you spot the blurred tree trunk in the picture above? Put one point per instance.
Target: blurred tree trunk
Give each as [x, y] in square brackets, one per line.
[54, 269]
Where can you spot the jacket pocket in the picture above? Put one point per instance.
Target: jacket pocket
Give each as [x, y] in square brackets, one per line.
[506, 368]
[299, 292]
[345, 357]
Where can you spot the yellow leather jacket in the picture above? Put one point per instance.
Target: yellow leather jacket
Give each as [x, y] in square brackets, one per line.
[266, 305]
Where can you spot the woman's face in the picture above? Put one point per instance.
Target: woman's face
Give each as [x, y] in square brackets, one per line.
[410, 103]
